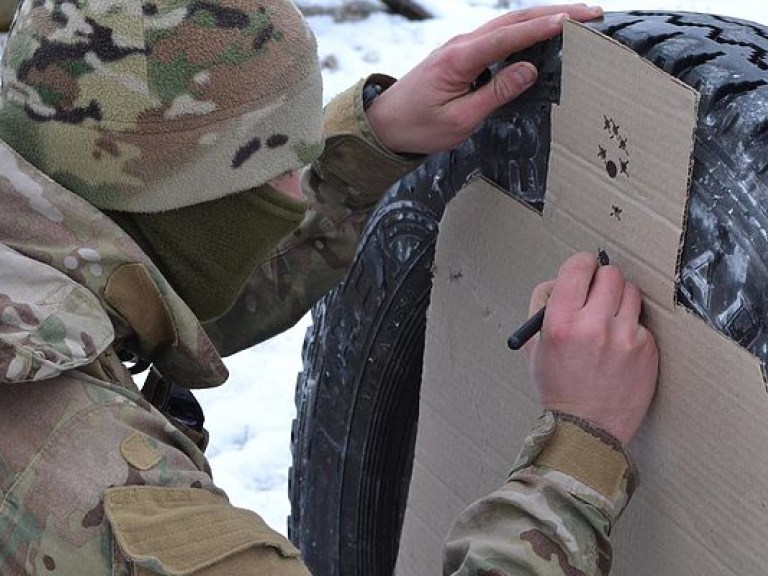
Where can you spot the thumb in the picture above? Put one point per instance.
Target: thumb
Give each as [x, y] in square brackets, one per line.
[540, 296]
[506, 85]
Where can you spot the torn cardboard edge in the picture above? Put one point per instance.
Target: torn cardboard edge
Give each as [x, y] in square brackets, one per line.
[618, 179]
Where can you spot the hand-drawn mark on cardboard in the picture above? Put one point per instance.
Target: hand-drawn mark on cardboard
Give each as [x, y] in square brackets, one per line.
[613, 150]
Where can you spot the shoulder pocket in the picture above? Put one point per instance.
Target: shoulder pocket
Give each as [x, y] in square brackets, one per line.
[48, 322]
[180, 531]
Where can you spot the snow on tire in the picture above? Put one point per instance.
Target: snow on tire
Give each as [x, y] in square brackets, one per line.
[357, 397]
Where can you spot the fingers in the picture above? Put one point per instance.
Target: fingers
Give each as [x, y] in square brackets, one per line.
[438, 93]
[628, 320]
[605, 296]
[505, 86]
[631, 304]
[580, 12]
[470, 57]
[582, 284]
[516, 31]
[571, 289]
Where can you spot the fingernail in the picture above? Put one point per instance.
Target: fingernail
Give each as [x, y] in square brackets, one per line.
[596, 9]
[526, 73]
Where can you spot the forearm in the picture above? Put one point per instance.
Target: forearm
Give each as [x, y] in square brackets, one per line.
[554, 515]
[341, 187]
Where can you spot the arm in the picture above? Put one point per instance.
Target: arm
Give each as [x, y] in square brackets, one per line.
[595, 368]
[432, 108]
[341, 188]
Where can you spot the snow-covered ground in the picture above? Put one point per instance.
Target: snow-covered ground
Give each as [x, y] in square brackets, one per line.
[250, 417]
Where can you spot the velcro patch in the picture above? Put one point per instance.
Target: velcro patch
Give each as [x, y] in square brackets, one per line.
[187, 530]
[587, 458]
[138, 452]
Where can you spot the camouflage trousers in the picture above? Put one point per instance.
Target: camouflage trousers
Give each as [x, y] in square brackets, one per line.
[95, 481]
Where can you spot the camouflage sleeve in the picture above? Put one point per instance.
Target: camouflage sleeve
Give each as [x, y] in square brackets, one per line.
[342, 187]
[554, 516]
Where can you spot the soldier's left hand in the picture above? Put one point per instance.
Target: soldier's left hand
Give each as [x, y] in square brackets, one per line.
[432, 108]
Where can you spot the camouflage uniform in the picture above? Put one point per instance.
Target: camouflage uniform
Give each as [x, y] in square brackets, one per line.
[74, 427]
[94, 480]
[554, 515]
[131, 106]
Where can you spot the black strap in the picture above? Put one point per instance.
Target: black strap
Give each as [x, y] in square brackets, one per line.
[178, 404]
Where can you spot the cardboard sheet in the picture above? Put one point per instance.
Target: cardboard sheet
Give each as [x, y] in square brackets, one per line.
[619, 173]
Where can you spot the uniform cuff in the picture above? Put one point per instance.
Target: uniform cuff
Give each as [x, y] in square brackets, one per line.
[586, 460]
[352, 152]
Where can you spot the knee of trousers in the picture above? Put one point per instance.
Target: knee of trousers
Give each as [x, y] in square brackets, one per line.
[96, 481]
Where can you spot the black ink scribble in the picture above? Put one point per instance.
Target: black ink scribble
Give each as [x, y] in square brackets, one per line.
[616, 212]
[611, 154]
[454, 276]
[624, 167]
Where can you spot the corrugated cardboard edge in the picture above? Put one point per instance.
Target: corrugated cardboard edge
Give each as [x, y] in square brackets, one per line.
[702, 506]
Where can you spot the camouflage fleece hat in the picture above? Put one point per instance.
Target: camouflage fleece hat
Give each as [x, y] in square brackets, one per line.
[147, 106]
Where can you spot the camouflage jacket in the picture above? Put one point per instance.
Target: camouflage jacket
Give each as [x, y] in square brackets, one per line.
[554, 515]
[78, 440]
[66, 263]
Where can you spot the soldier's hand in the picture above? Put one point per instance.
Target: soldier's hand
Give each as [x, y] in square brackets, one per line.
[432, 108]
[593, 358]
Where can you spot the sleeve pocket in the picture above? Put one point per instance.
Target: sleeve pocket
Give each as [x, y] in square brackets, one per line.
[180, 531]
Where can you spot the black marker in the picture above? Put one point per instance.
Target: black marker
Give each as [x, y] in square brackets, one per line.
[527, 331]
[533, 325]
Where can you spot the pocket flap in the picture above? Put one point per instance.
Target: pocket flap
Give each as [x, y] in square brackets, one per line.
[48, 322]
[179, 531]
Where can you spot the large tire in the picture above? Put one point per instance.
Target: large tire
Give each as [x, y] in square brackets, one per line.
[358, 395]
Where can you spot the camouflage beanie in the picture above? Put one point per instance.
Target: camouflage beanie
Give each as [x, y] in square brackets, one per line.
[148, 106]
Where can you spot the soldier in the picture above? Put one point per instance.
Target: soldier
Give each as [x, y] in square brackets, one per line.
[145, 148]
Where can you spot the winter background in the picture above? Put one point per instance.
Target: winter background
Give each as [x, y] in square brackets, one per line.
[249, 418]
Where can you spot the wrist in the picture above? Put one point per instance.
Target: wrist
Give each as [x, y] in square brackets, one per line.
[590, 426]
[354, 155]
[612, 426]
[375, 109]
[581, 457]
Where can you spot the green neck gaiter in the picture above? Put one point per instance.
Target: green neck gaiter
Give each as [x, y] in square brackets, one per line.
[207, 251]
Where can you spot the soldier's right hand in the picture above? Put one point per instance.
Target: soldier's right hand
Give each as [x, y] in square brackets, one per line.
[593, 358]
